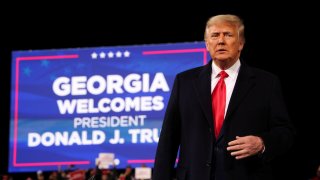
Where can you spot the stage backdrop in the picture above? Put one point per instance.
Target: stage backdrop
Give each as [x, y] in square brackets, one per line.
[81, 106]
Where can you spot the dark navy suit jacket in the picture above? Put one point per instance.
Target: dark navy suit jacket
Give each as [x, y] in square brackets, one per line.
[256, 108]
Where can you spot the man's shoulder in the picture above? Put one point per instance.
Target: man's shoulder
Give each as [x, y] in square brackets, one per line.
[260, 73]
[191, 72]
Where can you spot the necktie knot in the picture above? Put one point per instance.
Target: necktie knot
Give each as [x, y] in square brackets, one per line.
[223, 74]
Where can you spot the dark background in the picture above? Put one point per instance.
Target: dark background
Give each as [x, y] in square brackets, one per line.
[282, 39]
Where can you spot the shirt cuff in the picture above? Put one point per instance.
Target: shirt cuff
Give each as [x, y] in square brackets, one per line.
[264, 148]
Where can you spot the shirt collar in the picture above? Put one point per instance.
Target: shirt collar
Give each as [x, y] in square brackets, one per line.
[232, 71]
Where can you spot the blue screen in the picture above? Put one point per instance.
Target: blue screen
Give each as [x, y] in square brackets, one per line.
[82, 105]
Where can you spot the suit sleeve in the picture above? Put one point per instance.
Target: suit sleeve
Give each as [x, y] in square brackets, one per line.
[169, 138]
[281, 135]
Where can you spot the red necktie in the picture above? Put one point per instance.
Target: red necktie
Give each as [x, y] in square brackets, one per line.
[219, 103]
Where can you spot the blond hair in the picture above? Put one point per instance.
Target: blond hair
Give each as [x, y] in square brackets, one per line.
[228, 18]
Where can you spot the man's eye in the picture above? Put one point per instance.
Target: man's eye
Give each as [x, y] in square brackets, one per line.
[214, 36]
[228, 35]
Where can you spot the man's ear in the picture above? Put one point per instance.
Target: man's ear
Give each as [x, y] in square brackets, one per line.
[207, 46]
[241, 46]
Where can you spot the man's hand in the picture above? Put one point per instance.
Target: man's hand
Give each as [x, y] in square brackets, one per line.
[245, 146]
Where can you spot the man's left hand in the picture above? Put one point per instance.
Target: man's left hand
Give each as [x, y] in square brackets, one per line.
[245, 146]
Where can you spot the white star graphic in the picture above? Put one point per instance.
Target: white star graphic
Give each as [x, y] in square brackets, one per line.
[110, 54]
[102, 55]
[118, 54]
[126, 53]
[94, 55]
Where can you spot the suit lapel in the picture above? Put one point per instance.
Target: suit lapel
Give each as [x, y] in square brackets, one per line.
[244, 83]
[202, 85]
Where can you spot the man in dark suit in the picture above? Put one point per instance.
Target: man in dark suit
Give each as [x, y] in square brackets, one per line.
[227, 119]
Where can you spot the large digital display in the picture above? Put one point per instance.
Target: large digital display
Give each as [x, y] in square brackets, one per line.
[81, 106]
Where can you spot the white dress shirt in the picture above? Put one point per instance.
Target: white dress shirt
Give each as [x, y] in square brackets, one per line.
[230, 81]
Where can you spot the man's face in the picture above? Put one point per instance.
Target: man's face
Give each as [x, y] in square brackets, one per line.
[223, 43]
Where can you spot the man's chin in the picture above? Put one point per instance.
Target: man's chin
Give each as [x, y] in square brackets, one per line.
[222, 58]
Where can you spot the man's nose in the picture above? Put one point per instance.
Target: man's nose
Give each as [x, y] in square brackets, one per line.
[221, 39]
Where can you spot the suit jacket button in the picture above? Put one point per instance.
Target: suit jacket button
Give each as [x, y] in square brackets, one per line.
[208, 164]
